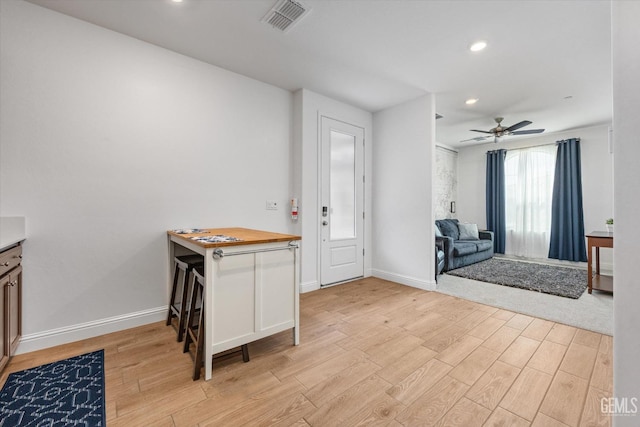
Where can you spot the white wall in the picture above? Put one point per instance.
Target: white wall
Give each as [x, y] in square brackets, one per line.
[403, 248]
[309, 107]
[106, 143]
[597, 178]
[626, 108]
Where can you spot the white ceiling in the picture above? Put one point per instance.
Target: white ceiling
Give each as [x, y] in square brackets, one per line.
[377, 53]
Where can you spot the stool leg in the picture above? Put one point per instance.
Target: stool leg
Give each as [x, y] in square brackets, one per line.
[173, 294]
[192, 309]
[183, 307]
[197, 363]
[245, 353]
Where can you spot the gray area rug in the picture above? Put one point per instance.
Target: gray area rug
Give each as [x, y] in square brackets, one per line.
[562, 281]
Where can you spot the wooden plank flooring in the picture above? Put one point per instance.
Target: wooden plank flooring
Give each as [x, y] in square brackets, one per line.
[372, 353]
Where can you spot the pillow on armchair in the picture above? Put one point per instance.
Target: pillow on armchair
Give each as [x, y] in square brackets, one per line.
[449, 228]
[468, 231]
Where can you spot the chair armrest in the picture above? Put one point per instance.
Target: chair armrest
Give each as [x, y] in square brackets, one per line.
[446, 245]
[485, 235]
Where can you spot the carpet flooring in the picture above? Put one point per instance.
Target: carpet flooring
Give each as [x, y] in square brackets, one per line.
[561, 281]
[593, 312]
[69, 392]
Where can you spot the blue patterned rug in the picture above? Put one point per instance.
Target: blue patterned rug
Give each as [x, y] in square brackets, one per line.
[65, 393]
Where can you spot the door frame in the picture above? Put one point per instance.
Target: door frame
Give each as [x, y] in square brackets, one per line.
[318, 216]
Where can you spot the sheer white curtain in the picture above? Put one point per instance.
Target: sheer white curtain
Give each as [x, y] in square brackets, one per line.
[529, 187]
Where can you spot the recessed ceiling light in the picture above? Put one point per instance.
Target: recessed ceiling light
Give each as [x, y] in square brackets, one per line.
[478, 46]
[177, 1]
[471, 101]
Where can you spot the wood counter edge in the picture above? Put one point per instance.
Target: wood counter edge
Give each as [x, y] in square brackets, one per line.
[263, 237]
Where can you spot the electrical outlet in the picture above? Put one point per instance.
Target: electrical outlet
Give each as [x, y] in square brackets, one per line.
[272, 205]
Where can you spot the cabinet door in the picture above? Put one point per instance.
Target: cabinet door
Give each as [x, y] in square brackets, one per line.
[4, 312]
[276, 283]
[234, 298]
[14, 301]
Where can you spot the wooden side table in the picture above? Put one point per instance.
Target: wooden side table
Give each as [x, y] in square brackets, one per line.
[598, 239]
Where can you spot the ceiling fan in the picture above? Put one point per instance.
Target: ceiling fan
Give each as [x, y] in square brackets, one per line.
[500, 131]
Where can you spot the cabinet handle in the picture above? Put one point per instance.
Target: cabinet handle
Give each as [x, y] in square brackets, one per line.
[6, 264]
[15, 282]
[19, 256]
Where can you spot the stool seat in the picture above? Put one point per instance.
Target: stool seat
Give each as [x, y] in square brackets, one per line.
[190, 259]
[184, 264]
[195, 331]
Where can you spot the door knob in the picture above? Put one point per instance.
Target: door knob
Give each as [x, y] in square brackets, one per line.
[325, 223]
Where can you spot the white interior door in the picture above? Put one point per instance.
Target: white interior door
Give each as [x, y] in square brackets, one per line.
[342, 202]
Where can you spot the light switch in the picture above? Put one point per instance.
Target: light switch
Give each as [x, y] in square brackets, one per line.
[272, 205]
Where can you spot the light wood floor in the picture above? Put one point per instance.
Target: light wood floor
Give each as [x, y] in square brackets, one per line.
[372, 353]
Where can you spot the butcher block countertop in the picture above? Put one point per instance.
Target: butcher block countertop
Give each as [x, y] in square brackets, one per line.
[245, 236]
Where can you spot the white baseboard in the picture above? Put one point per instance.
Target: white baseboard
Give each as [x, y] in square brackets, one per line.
[315, 285]
[309, 286]
[427, 285]
[67, 334]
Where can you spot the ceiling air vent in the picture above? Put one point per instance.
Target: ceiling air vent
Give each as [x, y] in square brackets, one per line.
[284, 14]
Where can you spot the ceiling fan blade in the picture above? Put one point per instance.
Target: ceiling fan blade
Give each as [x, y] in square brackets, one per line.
[525, 132]
[477, 139]
[481, 131]
[518, 125]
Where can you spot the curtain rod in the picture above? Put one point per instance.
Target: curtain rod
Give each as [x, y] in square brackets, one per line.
[536, 145]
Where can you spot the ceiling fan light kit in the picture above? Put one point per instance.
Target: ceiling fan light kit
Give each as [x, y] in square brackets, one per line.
[499, 131]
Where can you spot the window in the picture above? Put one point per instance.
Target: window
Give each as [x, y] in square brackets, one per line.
[529, 176]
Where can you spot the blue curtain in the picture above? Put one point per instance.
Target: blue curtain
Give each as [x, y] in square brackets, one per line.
[567, 217]
[495, 198]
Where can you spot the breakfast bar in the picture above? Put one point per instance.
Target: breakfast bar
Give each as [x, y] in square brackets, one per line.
[252, 284]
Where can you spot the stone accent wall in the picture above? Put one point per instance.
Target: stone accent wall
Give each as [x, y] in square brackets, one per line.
[445, 187]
